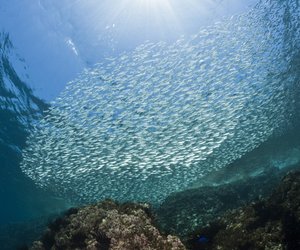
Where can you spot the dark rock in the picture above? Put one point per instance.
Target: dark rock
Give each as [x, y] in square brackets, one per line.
[106, 225]
[185, 211]
[272, 223]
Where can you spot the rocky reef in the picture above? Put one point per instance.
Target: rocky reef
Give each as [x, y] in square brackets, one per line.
[185, 211]
[229, 220]
[271, 223]
[106, 225]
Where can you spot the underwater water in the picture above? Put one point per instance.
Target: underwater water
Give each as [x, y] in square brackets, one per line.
[138, 124]
[20, 109]
[152, 121]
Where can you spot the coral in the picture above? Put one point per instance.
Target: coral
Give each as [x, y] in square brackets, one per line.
[106, 225]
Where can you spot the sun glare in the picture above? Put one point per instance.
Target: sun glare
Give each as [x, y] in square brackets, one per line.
[161, 6]
[156, 11]
[153, 2]
[121, 24]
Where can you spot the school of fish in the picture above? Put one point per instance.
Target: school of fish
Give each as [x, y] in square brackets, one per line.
[154, 120]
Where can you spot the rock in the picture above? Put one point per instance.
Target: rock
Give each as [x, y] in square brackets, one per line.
[185, 211]
[272, 223]
[106, 225]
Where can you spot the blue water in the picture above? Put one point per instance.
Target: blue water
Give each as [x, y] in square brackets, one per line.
[141, 119]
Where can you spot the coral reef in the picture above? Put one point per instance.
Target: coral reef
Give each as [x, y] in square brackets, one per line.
[272, 223]
[106, 225]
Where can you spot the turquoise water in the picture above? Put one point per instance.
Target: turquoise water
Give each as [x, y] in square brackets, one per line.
[155, 119]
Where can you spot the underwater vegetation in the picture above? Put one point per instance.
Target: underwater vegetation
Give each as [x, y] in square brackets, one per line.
[153, 121]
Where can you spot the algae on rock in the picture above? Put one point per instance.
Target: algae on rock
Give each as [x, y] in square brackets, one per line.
[272, 223]
[107, 225]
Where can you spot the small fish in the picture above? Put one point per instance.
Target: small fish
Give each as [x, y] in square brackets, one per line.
[151, 121]
[202, 239]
